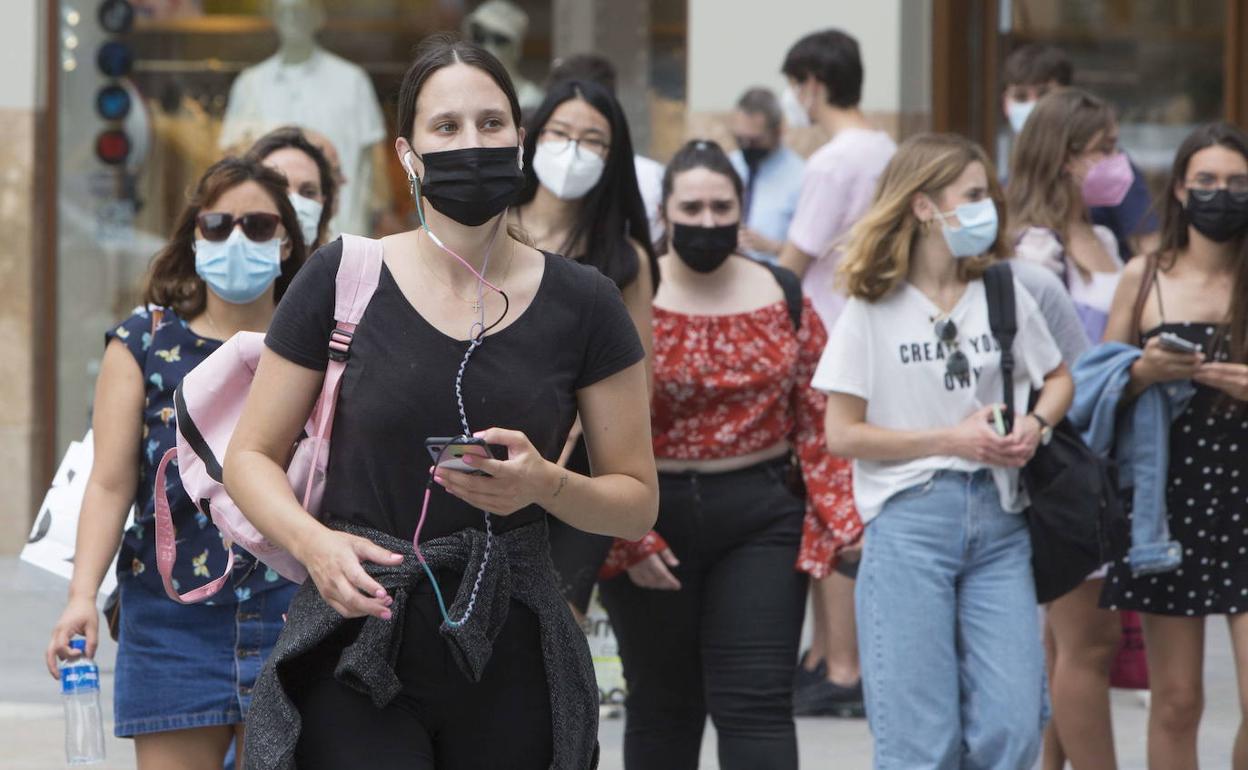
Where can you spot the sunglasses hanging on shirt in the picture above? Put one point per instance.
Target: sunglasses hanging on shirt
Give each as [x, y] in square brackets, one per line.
[957, 365]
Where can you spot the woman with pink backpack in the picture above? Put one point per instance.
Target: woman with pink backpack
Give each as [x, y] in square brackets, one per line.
[432, 631]
[184, 672]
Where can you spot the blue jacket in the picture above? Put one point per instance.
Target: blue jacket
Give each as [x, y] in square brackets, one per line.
[1138, 436]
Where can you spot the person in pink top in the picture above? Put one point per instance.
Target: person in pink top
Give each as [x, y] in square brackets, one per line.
[824, 70]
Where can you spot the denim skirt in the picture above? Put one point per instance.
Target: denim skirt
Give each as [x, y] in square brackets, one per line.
[185, 666]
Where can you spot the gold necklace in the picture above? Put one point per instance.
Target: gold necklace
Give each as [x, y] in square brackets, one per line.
[475, 302]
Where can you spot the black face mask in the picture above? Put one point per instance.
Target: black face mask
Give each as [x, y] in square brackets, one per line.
[754, 156]
[1219, 217]
[472, 185]
[704, 248]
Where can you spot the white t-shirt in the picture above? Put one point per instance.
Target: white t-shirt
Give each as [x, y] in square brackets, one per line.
[887, 353]
[650, 182]
[325, 93]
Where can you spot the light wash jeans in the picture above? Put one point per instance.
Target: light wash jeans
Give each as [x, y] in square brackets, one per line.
[948, 630]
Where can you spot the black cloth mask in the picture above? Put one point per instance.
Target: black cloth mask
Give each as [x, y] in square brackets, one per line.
[1219, 217]
[704, 248]
[753, 156]
[472, 185]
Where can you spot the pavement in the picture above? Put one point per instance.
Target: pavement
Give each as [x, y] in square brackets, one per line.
[31, 731]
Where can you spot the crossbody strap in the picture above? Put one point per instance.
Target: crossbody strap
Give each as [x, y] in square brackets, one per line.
[1003, 321]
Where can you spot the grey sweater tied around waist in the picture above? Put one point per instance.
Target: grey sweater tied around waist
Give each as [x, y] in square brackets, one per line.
[519, 568]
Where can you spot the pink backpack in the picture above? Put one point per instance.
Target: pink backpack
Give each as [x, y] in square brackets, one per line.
[208, 404]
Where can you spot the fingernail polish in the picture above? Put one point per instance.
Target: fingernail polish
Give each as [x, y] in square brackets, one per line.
[385, 615]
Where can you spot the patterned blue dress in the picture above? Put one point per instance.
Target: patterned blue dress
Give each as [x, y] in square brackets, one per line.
[183, 666]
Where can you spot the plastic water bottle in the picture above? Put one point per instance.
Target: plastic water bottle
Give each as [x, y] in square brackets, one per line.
[84, 724]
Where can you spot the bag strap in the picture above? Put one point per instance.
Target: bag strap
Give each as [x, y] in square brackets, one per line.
[354, 286]
[1141, 299]
[1003, 321]
[791, 285]
[167, 544]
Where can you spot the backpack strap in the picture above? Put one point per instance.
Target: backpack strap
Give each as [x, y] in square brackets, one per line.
[167, 546]
[1003, 321]
[356, 282]
[791, 285]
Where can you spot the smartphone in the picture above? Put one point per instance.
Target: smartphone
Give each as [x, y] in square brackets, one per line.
[1176, 344]
[448, 452]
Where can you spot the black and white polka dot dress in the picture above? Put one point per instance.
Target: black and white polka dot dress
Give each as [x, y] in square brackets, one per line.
[1207, 504]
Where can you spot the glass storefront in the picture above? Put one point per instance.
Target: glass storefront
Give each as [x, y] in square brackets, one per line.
[151, 92]
[1161, 63]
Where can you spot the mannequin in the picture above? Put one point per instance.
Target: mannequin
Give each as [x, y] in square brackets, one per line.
[499, 26]
[305, 85]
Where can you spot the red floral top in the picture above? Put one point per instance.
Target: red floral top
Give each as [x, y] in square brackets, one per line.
[729, 385]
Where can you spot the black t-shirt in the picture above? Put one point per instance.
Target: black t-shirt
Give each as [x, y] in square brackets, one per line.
[399, 385]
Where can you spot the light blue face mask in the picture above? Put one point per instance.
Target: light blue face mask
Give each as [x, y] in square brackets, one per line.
[238, 269]
[978, 231]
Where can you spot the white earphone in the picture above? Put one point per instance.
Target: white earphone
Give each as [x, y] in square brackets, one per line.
[407, 164]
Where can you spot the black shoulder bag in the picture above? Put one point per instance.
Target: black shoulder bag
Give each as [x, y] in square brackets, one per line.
[1074, 501]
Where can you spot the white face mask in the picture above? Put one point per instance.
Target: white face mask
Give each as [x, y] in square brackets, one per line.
[309, 213]
[795, 115]
[1017, 113]
[568, 171]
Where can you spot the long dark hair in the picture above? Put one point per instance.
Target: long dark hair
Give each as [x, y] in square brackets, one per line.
[172, 281]
[1174, 224]
[294, 138]
[442, 50]
[611, 212]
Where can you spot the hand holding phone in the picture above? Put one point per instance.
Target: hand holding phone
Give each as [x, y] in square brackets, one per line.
[449, 451]
[1176, 344]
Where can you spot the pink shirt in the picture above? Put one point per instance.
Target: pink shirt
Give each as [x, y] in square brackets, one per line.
[837, 187]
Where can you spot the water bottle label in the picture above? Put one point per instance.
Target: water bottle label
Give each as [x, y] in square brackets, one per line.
[79, 679]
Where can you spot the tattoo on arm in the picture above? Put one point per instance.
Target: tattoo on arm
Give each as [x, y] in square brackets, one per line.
[563, 481]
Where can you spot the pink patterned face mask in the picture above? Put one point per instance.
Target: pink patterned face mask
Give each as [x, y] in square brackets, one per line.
[1107, 182]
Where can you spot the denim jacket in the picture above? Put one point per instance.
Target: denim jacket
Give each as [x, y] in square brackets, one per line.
[1138, 436]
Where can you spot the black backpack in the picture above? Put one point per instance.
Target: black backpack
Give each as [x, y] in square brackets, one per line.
[1075, 517]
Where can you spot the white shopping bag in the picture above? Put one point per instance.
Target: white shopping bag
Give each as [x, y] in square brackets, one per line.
[52, 538]
[606, 654]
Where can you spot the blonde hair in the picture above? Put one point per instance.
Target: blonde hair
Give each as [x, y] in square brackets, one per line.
[1062, 125]
[877, 256]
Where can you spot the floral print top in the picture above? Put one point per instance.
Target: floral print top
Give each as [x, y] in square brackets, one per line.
[166, 349]
[730, 385]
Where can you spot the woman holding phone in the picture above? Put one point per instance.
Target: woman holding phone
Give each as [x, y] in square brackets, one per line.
[435, 635]
[947, 624]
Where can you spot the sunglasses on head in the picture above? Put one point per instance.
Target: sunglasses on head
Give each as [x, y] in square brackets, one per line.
[258, 226]
[957, 364]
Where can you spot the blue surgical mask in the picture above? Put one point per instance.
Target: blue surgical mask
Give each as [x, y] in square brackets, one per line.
[238, 269]
[309, 213]
[978, 231]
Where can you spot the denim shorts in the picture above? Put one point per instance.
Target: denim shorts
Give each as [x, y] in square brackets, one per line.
[185, 666]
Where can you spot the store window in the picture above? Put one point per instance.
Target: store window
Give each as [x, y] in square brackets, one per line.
[1161, 63]
[151, 92]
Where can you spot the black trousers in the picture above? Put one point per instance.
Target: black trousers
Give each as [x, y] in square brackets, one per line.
[726, 643]
[440, 719]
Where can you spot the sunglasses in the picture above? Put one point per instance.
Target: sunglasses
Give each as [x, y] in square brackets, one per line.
[957, 365]
[257, 226]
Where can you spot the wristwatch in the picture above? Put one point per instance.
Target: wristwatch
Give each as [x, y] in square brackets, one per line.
[1046, 430]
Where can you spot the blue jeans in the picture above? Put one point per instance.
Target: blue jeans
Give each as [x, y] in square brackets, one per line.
[950, 641]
